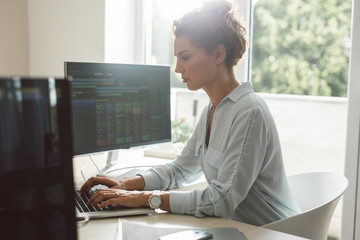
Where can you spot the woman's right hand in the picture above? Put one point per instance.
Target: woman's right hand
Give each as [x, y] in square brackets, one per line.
[126, 183]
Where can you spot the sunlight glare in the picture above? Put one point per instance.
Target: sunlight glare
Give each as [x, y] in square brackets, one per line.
[175, 9]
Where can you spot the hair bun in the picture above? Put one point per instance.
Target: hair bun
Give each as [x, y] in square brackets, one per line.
[214, 24]
[217, 7]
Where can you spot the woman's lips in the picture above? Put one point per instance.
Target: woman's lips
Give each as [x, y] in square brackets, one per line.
[185, 80]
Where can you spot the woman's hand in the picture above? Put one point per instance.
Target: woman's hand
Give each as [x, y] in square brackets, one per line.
[127, 183]
[120, 197]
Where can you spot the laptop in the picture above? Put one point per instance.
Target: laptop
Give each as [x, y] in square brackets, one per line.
[36, 159]
[85, 212]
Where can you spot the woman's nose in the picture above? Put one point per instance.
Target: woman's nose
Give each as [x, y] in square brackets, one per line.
[178, 68]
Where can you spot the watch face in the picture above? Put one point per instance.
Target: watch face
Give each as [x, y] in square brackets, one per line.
[155, 201]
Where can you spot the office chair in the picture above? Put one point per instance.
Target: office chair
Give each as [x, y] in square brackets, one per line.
[317, 193]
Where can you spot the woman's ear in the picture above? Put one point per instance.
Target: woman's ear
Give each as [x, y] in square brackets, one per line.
[220, 54]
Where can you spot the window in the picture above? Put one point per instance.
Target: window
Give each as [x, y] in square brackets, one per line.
[299, 62]
[187, 104]
[163, 14]
[306, 41]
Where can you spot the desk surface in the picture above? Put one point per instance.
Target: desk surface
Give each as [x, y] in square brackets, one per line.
[115, 228]
[150, 224]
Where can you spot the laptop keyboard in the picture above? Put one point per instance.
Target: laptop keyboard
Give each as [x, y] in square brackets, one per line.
[82, 198]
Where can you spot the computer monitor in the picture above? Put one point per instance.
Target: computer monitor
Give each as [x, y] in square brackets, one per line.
[118, 106]
[36, 175]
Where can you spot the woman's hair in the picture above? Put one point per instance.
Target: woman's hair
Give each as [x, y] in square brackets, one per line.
[214, 24]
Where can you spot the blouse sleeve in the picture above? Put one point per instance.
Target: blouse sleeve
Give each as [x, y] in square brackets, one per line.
[184, 169]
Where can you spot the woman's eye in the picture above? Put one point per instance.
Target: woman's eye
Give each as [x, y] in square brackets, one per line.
[185, 58]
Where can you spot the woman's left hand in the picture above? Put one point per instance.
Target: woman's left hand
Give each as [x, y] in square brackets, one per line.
[120, 197]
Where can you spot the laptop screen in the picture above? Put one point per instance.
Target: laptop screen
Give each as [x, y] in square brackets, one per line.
[36, 177]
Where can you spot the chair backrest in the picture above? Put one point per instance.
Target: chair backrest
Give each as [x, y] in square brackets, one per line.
[317, 194]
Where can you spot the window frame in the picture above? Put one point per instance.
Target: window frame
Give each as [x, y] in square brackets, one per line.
[351, 205]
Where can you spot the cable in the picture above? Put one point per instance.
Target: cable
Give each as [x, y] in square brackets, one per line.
[82, 171]
[100, 173]
[134, 167]
[82, 220]
[86, 164]
[112, 170]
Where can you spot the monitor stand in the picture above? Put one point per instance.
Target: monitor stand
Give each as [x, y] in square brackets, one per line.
[112, 159]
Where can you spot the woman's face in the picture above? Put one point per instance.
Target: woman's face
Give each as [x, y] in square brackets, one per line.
[197, 67]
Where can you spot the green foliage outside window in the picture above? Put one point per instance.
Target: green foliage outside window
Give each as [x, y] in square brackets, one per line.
[301, 47]
[180, 131]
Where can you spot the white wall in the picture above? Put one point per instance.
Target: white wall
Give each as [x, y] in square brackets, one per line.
[126, 28]
[14, 44]
[118, 46]
[37, 36]
[64, 30]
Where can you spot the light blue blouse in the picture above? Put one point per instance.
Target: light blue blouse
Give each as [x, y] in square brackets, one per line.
[243, 165]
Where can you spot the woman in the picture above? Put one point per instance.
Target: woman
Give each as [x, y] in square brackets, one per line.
[235, 144]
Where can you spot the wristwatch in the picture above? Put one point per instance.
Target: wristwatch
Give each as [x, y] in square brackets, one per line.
[155, 200]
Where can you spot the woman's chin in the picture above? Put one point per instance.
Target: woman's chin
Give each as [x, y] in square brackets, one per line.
[191, 87]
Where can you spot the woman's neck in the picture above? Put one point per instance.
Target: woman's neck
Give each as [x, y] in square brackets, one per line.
[221, 88]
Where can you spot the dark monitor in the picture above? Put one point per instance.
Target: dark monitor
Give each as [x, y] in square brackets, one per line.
[36, 176]
[118, 106]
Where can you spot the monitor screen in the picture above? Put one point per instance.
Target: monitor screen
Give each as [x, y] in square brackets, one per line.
[36, 175]
[117, 106]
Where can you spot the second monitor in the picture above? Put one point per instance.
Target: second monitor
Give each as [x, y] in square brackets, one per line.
[116, 106]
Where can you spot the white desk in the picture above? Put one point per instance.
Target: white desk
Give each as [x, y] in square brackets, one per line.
[108, 228]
